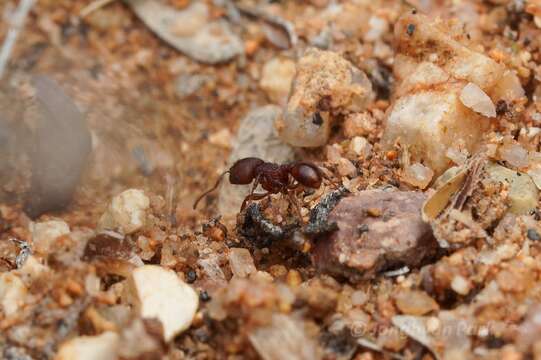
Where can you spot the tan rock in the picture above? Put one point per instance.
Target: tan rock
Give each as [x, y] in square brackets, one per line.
[430, 122]
[325, 86]
[103, 347]
[45, 233]
[476, 99]
[415, 302]
[445, 93]
[523, 194]
[159, 293]
[276, 78]
[241, 262]
[126, 213]
[13, 293]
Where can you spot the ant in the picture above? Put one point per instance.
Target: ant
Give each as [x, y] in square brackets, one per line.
[274, 178]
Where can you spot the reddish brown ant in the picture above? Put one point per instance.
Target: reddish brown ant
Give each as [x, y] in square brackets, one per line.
[274, 178]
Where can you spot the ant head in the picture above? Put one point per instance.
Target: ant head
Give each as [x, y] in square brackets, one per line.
[306, 174]
[243, 171]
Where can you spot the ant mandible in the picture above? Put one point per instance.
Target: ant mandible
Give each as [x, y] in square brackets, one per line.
[274, 178]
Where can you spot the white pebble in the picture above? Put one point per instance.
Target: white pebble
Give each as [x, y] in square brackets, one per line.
[346, 167]
[241, 262]
[127, 212]
[32, 268]
[12, 293]
[475, 98]
[159, 293]
[360, 147]
[460, 285]
[359, 298]
[514, 154]
[45, 233]
[418, 175]
[103, 347]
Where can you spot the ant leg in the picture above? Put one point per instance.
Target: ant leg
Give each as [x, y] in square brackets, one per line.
[249, 197]
[293, 200]
[329, 179]
[252, 197]
[293, 186]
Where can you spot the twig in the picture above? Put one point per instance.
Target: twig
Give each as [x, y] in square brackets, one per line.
[17, 23]
[93, 6]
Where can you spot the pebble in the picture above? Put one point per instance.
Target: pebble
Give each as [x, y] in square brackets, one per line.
[103, 347]
[429, 121]
[221, 138]
[397, 236]
[533, 235]
[360, 147]
[418, 175]
[529, 330]
[473, 97]
[346, 167]
[191, 276]
[415, 302]
[378, 27]
[103, 246]
[45, 233]
[189, 84]
[422, 121]
[159, 293]
[256, 137]
[523, 194]
[241, 262]
[13, 293]
[460, 285]
[514, 154]
[359, 124]
[32, 269]
[326, 87]
[191, 30]
[359, 298]
[127, 212]
[276, 78]
[333, 153]
[285, 337]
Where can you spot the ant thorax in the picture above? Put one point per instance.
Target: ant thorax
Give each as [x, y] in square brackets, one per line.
[273, 177]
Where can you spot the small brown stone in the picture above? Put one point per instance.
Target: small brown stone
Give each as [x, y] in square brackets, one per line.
[414, 302]
[105, 246]
[396, 235]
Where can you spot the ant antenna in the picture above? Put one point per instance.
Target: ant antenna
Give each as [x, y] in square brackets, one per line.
[210, 190]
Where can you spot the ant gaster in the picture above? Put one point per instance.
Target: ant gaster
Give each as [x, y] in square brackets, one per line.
[274, 178]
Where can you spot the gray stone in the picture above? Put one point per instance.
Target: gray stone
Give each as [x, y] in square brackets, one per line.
[190, 31]
[62, 145]
[189, 84]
